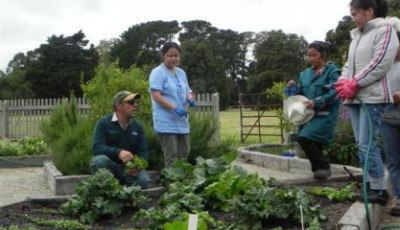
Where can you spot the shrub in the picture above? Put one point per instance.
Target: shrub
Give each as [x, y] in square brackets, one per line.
[275, 92]
[203, 128]
[69, 136]
[156, 156]
[73, 151]
[109, 80]
[343, 149]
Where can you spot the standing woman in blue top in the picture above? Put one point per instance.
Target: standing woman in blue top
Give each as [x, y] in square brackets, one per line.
[171, 96]
[316, 83]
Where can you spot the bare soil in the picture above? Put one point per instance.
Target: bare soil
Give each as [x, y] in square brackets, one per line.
[47, 209]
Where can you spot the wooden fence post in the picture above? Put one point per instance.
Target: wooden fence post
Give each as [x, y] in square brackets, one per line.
[4, 120]
[215, 111]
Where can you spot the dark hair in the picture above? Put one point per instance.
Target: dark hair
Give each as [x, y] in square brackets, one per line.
[321, 47]
[380, 7]
[170, 45]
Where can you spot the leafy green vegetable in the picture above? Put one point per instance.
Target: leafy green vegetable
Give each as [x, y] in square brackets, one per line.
[136, 162]
[101, 195]
[24, 146]
[341, 195]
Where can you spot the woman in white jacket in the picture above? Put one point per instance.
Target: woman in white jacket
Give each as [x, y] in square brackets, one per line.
[371, 54]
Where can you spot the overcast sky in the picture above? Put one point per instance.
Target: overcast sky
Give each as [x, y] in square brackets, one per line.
[25, 24]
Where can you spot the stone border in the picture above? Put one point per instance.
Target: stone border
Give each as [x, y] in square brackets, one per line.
[354, 218]
[286, 164]
[23, 161]
[65, 185]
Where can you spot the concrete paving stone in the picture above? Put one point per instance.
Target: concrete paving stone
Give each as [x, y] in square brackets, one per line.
[21, 183]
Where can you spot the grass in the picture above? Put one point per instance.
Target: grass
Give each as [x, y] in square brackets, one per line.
[230, 127]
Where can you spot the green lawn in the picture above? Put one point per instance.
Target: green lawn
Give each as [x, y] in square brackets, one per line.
[230, 127]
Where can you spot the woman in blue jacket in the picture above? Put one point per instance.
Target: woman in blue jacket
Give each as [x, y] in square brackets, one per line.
[170, 97]
[316, 83]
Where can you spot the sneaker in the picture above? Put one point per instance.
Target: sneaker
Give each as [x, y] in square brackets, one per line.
[322, 174]
[395, 211]
[374, 196]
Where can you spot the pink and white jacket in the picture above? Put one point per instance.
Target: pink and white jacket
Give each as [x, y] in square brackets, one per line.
[371, 54]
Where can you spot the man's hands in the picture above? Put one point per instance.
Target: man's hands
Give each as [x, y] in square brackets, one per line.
[125, 156]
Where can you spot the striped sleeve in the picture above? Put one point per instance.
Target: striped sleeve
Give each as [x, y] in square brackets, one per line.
[382, 59]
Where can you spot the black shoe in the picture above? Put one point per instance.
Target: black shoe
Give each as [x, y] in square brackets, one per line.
[374, 196]
[395, 211]
[322, 174]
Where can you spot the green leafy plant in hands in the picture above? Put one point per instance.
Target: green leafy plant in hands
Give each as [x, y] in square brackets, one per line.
[136, 162]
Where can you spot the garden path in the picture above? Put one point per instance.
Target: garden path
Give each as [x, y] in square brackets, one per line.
[17, 184]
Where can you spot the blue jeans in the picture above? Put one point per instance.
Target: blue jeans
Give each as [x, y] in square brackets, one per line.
[359, 120]
[118, 170]
[391, 142]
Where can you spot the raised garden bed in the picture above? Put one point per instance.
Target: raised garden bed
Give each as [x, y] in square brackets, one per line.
[62, 185]
[40, 208]
[46, 209]
[23, 161]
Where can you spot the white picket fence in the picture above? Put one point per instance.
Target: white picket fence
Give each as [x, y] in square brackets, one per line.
[20, 118]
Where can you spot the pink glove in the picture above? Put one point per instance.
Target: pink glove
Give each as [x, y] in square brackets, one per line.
[339, 85]
[348, 90]
[341, 82]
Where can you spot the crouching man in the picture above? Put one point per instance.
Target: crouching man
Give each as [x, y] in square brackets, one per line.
[118, 139]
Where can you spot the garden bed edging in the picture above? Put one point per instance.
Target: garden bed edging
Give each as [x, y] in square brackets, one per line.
[62, 185]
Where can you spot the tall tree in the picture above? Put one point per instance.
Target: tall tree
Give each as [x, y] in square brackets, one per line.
[339, 40]
[205, 70]
[140, 44]
[55, 68]
[14, 85]
[18, 61]
[278, 57]
[196, 29]
[232, 47]
[106, 51]
[226, 46]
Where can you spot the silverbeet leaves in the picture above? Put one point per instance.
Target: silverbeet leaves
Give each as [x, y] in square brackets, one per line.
[136, 162]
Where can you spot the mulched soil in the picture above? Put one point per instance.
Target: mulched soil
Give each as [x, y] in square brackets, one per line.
[14, 214]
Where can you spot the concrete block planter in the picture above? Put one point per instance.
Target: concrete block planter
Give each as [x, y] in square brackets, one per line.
[355, 217]
[250, 155]
[65, 185]
[23, 161]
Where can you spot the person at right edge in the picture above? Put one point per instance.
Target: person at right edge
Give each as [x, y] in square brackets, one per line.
[371, 53]
[391, 125]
